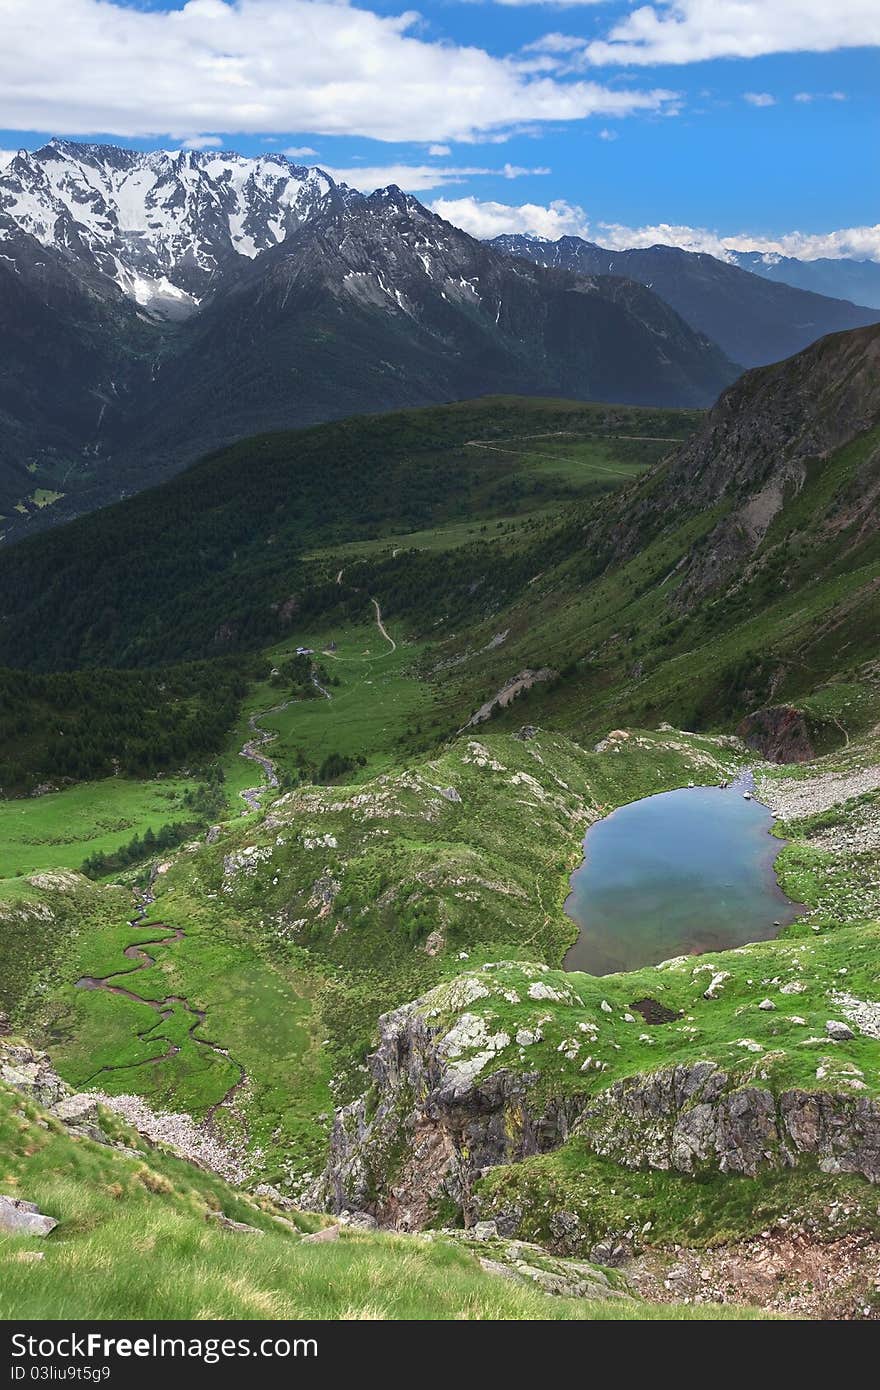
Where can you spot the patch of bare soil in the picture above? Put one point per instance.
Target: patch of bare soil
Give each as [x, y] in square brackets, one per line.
[787, 1272]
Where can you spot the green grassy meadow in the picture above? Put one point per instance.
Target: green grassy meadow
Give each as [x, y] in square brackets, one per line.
[60, 829]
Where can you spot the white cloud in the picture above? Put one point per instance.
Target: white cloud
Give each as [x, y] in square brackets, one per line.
[299, 151]
[259, 66]
[202, 142]
[690, 31]
[621, 238]
[486, 219]
[555, 43]
[806, 97]
[759, 98]
[439, 151]
[861, 243]
[415, 178]
[608, 135]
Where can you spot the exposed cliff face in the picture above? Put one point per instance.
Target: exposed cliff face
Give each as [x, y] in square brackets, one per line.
[426, 1131]
[415, 1143]
[762, 437]
[698, 1117]
[775, 418]
[507, 1062]
[780, 733]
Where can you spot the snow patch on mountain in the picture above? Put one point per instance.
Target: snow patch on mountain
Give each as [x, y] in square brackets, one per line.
[160, 224]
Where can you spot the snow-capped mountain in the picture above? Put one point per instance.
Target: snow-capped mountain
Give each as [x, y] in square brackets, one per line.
[158, 224]
[154, 306]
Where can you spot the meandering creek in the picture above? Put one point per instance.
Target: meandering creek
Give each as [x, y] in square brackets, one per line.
[676, 874]
[164, 1008]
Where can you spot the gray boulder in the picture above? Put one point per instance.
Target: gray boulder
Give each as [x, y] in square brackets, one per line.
[20, 1218]
[358, 1220]
[840, 1032]
[78, 1109]
[484, 1230]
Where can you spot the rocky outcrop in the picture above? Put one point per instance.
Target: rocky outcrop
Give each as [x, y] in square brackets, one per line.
[517, 685]
[20, 1218]
[780, 733]
[32, 1075]
[697, 1117]
[432, 1122]
[511, 1059]
[413, 1147]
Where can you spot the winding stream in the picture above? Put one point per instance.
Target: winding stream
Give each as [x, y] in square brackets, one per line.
[165, 1008]
[141, 959]
[252, 795]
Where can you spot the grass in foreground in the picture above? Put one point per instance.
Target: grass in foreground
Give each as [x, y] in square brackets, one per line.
[122, 1218]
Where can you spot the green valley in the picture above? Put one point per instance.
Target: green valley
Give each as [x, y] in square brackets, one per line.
[385, 676]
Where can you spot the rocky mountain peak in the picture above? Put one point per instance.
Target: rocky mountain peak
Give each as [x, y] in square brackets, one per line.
[159, 224]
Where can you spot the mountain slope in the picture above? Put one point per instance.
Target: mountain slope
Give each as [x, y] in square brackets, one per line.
[111, 1193]
[377, 301]
[161, 305]
[73, 357]
[743, 571]
[754, 321]
[858, 281]
[765, 448]
[234, 527]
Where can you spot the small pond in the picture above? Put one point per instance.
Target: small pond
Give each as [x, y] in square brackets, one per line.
[676, 874]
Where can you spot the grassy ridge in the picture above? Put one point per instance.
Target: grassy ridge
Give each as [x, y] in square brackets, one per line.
[235, 526]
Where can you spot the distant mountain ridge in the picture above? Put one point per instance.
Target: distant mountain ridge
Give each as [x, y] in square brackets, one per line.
[160, 305]
[753, 318]
[375, 299]
[841, 278]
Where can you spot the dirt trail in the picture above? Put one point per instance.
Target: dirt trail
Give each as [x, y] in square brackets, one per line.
[381, 626]
[165, 1008]
[561, 458]
[252, 796]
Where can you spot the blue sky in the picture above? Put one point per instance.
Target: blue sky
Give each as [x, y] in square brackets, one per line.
[684, 120]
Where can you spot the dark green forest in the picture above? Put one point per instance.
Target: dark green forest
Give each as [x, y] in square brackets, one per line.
[211, 562]
[87, 724]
